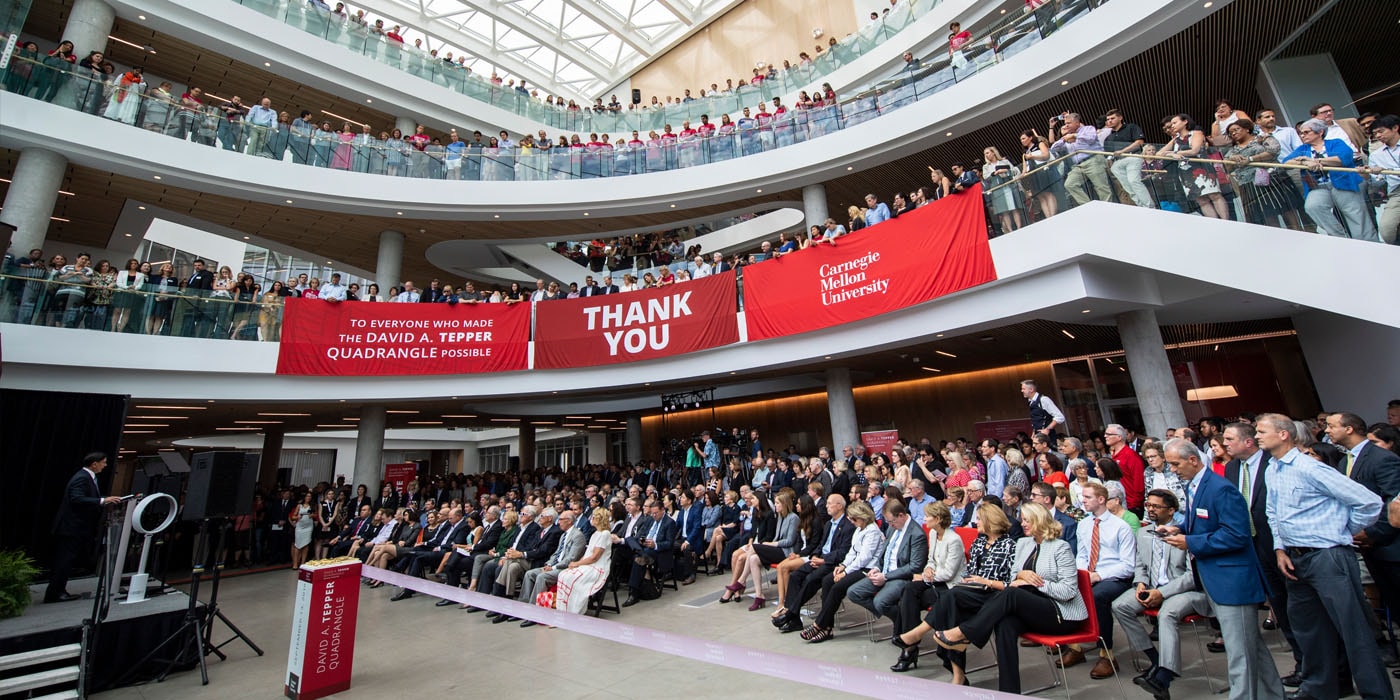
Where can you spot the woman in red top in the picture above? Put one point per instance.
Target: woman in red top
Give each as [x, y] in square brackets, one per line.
[1218, 456]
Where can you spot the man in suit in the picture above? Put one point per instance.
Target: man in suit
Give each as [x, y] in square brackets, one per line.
[652, 542]
[462, 555]
[512, 567]
[906, 552]
[75, 525]
[453, 533]
[607, 287]
[1246, 471]
[355, 531]
[690, 536]
[1378, 469]
[1162, 581]
[1217, 538]
[805, 581]
[570, 548]
[280, 537]
[199, 320]
[487, 567]
[432, 294]
[1044, 494]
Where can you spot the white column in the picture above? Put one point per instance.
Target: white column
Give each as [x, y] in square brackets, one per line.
[471, 459]
[369, 448]
[814, 204]
[634, 438]
[390, 264]
[1157, 395]
[88, 26]
[841, 405]
[405, 125]
[30, 199]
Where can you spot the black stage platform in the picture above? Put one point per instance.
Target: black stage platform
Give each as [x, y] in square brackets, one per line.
[128, 634]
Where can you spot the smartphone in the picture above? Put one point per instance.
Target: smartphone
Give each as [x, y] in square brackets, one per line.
[1158, 533]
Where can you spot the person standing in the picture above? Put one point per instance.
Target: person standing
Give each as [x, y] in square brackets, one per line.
[1216, 535]
[1315, 511]
[75, 525]
[1378, 469]
[1045, 415]
[1386, 156]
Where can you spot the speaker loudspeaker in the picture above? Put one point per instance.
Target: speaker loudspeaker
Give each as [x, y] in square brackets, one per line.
[221, 485]
[636, 96]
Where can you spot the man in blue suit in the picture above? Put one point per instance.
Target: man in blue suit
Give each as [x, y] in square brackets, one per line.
[690, 539]
[653, 542]
[1216, 536]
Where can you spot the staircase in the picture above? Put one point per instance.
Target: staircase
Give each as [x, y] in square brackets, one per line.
[55, 672]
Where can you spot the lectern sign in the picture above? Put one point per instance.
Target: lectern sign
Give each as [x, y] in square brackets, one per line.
[323, 629]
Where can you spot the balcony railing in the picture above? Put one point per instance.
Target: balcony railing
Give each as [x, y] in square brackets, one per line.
[141, 104]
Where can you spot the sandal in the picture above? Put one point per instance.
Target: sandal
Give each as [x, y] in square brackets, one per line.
[819, 635]
[781, 612]
[944, 642]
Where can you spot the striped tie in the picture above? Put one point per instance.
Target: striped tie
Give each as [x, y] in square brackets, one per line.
[1094, 547]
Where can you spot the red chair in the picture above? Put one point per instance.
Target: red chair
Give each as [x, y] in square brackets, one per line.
[1088, 633]
[1196, 621]
[968, 535]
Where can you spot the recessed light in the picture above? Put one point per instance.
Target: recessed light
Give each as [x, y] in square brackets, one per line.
[940, 335]
[399, 213]
[142, 208]
[733, 372]
[265, 63]
[1064, 82]
[850, 167]
[1085, 311]
[289, 201]
[247, 238]
[1067, 334]
[261, 413]
[454, 398]
[173, 408]
[930, 369]
[496, 216]
[828, 357]
[760, 191]
[585, 213]
[128, 235]
[256, 422]
[156, 177]
[673, 206]
[425, 422]
[948, 134]
[945, 354]
[141, 17]
[369, 101]
[1207, 5]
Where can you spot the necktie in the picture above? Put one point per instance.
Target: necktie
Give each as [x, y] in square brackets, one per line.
[1351, 461]
[830, 535]
[559, 551]
[1248, 495]
[1094, 547]
[891, 551]
[651, 535]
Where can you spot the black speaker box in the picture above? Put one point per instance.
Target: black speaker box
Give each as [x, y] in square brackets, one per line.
[221, 485]
[636, 96]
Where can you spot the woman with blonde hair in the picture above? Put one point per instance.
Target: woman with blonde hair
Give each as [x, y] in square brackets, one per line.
[1005, 199]
[857, 220]
[1044, 598]
[867, 545]
[581, 579]
[946, 561]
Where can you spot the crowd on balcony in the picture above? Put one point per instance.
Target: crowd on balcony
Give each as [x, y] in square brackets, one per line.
[955, 542]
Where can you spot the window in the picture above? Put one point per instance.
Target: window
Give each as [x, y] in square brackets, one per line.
[570, 452]
[495, 459]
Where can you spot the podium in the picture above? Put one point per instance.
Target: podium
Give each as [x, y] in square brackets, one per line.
[323, 628]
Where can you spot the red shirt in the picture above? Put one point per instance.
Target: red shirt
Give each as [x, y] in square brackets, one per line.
[1133, 468]
[706, 128]
[391, 36]
[688, 133]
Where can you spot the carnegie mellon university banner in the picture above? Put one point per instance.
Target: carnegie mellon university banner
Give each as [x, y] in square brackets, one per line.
[357, 338]
[641, 325]
[935, 250]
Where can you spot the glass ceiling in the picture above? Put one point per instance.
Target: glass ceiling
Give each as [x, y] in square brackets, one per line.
[572, 48]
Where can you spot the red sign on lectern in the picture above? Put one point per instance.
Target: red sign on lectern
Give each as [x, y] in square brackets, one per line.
[323, 629]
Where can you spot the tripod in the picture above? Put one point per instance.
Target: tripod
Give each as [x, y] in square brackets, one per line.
[195, 634]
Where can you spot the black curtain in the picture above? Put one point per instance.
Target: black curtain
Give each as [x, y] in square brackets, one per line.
[45, 435]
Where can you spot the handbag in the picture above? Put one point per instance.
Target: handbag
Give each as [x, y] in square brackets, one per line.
[546, 598]
[1261, 177]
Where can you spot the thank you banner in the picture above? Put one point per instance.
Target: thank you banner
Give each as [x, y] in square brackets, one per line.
[359, 338]
[642, 325]
[926, 253]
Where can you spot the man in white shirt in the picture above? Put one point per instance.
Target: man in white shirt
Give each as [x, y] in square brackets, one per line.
[1386, 133]
[1045, 415]
[409, 295]
[1108, 552]
[333, 290]
[702, 268]
[539, 293]
[264, 122]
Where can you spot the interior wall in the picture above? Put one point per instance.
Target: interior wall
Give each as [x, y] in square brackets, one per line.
[1352, 362]
[755, 30]
[939, 408]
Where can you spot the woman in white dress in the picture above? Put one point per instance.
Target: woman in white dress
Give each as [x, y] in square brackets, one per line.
[126, 99]
[304, 519]
[587, 576]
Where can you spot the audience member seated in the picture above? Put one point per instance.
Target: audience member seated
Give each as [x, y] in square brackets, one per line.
[905, 554]
[581, 579]
[773, 540]
[652, 544]
[432, 551]
[804, 581]
[944, 566]
[572, 543]
[866, 544]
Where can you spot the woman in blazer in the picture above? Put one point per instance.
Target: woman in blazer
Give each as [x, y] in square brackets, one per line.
[946, 562]
[755, 557]
[1043, 597]
[808, 543]
[867, 544]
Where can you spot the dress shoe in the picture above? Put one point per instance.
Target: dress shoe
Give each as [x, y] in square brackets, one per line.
[1297, 695]
[473, 609]
[909, 658]
[504, 618]
[1070, 657]
[404, 594]
[1216, 647]
[1293, 680]
[631, 600]
[1103, 669]
[780, 620]
[688, 580]
[64, 598]
[1270, 623]
[1146, 674]
[444, 603]
[1395, 673]
[528, 623]
[1150, 684]
[792, 624]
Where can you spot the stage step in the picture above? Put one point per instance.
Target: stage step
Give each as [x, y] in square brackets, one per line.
[62, 695]
[39, 656]
[42, 679]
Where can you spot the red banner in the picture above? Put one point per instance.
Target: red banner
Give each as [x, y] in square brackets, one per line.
[323, 629]
[399, 475]
[1001, 430]
[935, 250]
[678, 318]
[357, 338]
[879, 441]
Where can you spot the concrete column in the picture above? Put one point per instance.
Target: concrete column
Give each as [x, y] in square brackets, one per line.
[30, 199]
[841, 404]
[526, 446]
[634, 438]
[390, 263]
[369, 448]
[271, 459]
[88, 26]
[471, 459]
[597, 452]
[814, 204]
[1157, 395]
[406, 125]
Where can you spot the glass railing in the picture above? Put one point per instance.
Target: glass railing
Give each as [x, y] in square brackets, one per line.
[1240, 183]
[442, 70]
[141, 104]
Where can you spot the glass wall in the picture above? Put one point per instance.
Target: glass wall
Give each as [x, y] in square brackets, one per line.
[569, 452]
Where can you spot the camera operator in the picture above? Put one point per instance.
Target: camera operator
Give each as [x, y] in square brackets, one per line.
[707, 447]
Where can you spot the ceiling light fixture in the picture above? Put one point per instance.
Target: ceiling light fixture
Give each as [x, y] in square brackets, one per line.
[142, 208]
[138, 432]
[1085, 311]
[945, 354]
[333, 425]
[1067, 334]
[269, 413]
[160, 417]
[402, 411]
[258, 422]
[148, 425]
[173, 408]
[930, 369]
[58, 219]
[425, 422]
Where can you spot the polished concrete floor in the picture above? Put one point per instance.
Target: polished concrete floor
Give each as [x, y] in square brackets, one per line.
[413, 647]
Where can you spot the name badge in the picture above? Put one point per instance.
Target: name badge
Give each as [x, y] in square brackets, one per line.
[1202, 513]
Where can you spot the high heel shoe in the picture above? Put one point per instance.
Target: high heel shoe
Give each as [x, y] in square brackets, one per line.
[758, 604]
[898, 640]
[909, 658]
